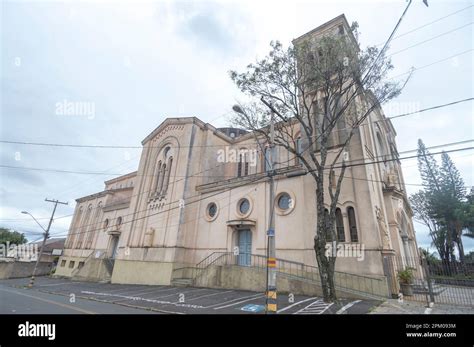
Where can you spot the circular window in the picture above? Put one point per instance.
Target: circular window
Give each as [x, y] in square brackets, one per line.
[285, 203]
[106, 223]
[244, 206]
[212, 210]
[119, 220]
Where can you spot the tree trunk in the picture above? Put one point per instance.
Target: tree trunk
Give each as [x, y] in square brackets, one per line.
[459, 244]
[326, 265]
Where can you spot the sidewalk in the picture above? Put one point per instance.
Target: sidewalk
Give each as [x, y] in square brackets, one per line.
[392, 306]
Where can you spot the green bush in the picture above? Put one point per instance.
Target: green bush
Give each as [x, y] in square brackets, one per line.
[406, 276]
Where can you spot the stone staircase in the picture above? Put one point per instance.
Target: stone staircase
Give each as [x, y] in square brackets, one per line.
[423, 289]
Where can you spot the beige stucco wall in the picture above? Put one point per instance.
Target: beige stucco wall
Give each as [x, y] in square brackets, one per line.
[142, 272]
[20, 269]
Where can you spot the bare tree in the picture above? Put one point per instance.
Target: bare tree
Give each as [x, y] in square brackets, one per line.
[323, 90]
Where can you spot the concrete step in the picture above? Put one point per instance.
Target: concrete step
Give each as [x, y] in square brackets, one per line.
[418, 289]
[182, 282]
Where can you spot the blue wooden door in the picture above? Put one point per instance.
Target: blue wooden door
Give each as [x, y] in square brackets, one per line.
[245, 247]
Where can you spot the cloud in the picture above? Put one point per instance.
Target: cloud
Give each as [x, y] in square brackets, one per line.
[25, 177]
[221, 27]
[207, 30]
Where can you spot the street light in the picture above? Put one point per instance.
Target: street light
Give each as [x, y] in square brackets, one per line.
[238, 109]
[26, 212]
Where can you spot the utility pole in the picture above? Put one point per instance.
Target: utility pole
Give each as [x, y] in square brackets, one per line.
[271, 293]
[46, 236]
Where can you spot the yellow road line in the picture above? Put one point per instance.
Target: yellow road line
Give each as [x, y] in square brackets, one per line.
[52, 302]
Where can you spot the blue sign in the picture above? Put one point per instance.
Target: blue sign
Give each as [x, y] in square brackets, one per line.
[271, 232]
[253, 308]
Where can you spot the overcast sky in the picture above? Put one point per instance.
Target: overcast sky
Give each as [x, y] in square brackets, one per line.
[136, 63]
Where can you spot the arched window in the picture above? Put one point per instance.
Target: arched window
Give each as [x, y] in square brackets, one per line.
[341, 127]
[84, 227]
[381, 145]
[319, 110]
[163, 169]
[167, 175]
[268, 159]
[243, 164]
[341, 237]
[239, 166]
[352, 224]
[94, 226]
[162, 176]
[299, 150]
[157, 178]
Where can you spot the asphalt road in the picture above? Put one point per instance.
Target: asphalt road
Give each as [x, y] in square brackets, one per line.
[54, 296]
[26, 301]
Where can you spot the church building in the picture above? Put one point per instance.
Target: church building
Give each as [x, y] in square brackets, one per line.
[200, 192]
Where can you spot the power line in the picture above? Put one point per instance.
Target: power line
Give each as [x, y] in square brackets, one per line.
[198, 146]
[401, 115]
[415, 69]
[307, 171]
[172, 225]
[105, 173]
[144, 192]
[397, 159]
[425, 25]
[98, 146]
[431, 108]
[232, 176]
[430, 39]
[251, 182]
[171, 208]
[150, 190]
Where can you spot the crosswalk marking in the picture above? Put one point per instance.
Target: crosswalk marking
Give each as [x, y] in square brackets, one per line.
[316, 307]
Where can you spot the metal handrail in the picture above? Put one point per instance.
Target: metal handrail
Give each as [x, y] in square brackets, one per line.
[289, 268]
[349, 282]
[212, 259]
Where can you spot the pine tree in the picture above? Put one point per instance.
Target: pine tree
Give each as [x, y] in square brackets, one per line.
[429, 170]
[439, 198]
[451, 179]
[452, 198]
